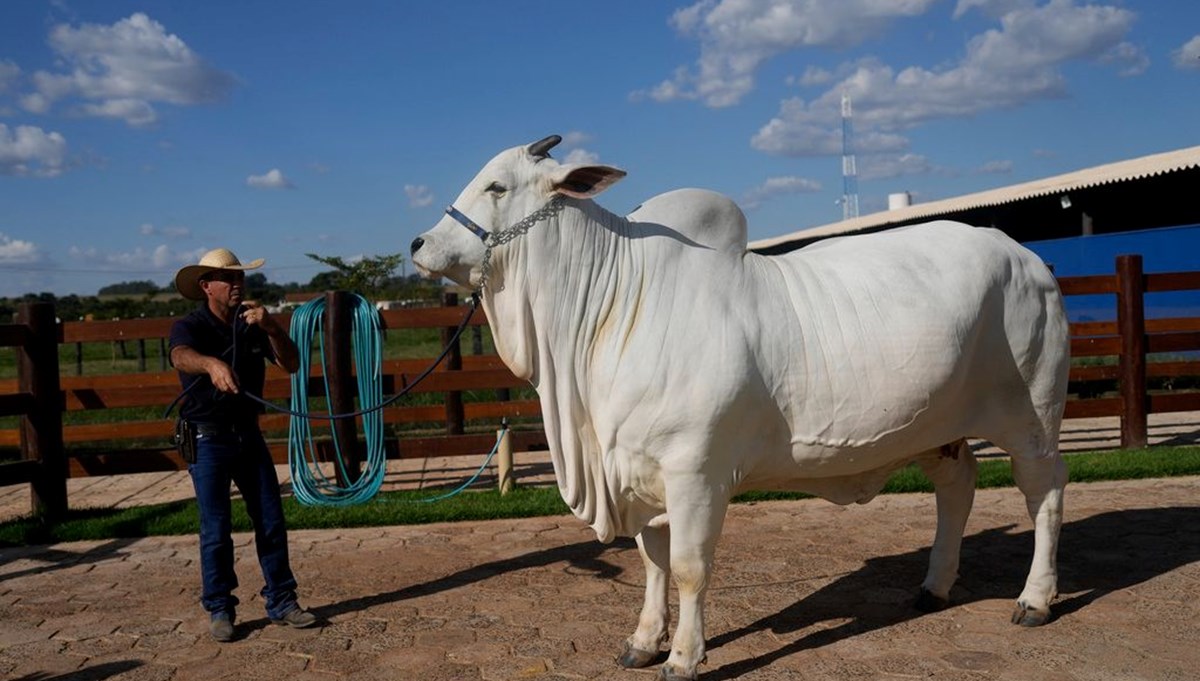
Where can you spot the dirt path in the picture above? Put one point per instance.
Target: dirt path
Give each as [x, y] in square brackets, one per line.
[802, 590]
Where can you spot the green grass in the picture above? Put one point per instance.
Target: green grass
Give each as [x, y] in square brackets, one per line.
[405, 507]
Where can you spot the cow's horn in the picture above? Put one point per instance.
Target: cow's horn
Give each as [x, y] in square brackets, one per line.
[542, 147]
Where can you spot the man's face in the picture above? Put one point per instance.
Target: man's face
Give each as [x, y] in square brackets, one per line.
[224, 286]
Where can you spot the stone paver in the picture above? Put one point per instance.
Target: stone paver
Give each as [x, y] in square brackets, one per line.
[802, 590]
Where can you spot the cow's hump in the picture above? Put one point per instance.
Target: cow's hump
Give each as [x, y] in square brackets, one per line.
[705, 217]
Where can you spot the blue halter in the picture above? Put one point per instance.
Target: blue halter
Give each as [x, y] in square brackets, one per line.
[467, 222]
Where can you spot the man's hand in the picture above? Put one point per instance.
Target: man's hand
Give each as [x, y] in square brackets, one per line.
[254, 313]
[286, 355]
[189, 361]
[222, 376]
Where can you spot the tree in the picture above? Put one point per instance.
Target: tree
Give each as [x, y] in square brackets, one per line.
[129, 287]
[366, 276]
[258, 288]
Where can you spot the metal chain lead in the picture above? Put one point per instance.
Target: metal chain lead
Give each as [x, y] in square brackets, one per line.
[552, 207]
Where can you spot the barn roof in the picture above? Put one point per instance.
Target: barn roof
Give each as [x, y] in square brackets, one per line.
[986, 205]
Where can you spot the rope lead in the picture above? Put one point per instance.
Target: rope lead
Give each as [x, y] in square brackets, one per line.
[310, 485]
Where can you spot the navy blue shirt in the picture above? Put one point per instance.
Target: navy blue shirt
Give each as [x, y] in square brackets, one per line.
[205, 333]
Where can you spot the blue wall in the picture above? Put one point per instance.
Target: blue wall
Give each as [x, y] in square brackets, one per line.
[1173, 249]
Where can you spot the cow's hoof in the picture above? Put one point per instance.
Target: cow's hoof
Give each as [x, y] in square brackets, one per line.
[635, 658]
[927, 602]
[1027, 616]
[669, 672]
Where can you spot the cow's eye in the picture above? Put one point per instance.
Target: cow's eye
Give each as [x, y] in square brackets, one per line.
[496, 188]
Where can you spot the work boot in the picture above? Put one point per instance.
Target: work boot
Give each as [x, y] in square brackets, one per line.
[220, 627]
[296, 618]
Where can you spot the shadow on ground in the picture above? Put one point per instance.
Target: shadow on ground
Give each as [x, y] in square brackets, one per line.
[57, 559]
[1097, 556]
[96, 673]
[586, 557]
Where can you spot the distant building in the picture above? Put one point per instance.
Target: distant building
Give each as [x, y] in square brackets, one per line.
[1142, 193]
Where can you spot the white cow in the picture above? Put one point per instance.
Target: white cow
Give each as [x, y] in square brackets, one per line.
[675, 369]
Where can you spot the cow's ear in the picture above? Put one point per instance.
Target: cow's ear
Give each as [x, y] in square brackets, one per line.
[584, 182]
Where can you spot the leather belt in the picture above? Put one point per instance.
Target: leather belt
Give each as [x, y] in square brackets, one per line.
[210, 429]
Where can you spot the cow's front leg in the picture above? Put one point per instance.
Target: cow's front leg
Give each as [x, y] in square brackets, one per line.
[953, 471]
[696, 508]
[654, 544]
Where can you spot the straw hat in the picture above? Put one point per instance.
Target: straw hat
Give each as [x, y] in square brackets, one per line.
[187, 280]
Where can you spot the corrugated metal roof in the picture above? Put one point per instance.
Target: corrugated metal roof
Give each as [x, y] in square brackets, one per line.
[1121, 171]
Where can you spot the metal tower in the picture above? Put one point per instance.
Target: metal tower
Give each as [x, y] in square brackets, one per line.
[849, 169]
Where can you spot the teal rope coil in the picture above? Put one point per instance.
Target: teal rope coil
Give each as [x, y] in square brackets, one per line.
[310, 485]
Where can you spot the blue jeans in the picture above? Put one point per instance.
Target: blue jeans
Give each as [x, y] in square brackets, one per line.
[242, 458]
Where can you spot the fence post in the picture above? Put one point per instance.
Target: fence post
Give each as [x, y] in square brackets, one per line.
[454, 405]
[1131, 323]
[504, 462]
[41, 429]
[340, 373]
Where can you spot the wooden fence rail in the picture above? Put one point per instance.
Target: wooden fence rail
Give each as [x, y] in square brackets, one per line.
[1131, 338]
[40, 396]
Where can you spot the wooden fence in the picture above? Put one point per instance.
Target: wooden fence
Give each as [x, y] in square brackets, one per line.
[1131, 338]
[40, 395]
[34, 396]
[131, 446]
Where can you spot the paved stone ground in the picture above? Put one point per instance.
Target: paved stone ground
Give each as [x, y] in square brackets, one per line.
[802, 590]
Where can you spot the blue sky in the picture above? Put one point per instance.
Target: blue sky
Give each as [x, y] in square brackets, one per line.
[136, 135]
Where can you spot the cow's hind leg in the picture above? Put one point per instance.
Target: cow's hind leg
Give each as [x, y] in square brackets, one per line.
[953, 471]
[641, 649]
[1041, 479]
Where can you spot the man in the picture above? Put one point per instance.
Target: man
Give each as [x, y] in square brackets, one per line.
[219, 351]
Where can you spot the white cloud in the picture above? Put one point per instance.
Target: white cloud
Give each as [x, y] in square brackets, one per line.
[576, 138]
[1003, 68]
[993, 9]
[135, 112]
[19, 252]
[272, 179]
[581, 157]
[9, 73]
[171, 231]
[418, 195]
[778, 186]
[886, 166]
[995, 168]
[1129, 59]
[737, 36]
[573, 143]
[812, 76]
[28, 150]
[119, 71]
[1188, 56]
[139, 260]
